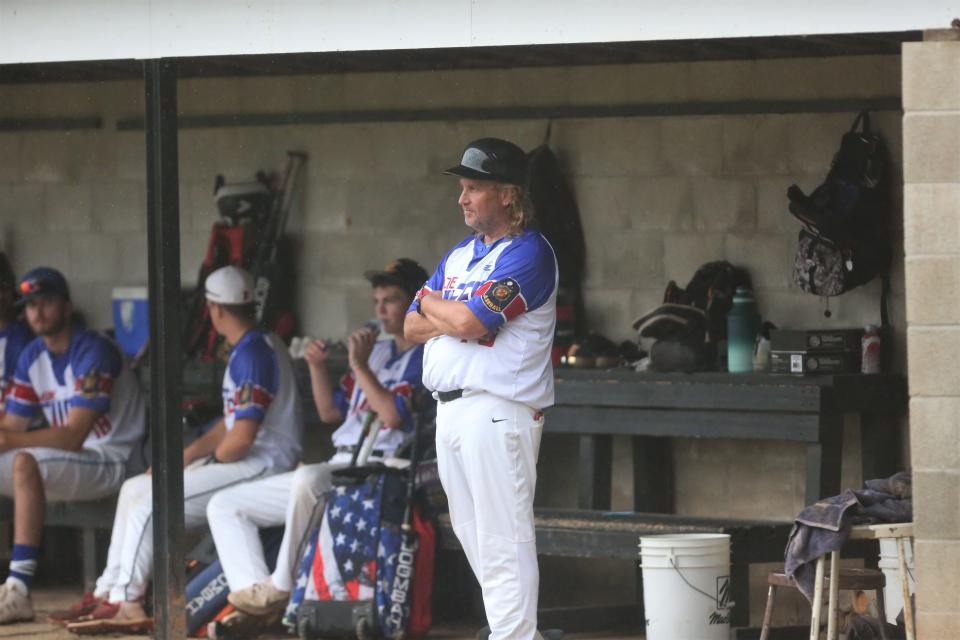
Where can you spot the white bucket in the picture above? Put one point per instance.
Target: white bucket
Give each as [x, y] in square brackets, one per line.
[686, 586]
[890, 565]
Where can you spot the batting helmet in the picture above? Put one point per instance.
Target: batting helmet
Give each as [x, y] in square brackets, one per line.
[492, 159]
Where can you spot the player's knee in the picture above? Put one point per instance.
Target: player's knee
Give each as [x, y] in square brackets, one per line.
[221, 507]
[25, 465]
[311, 481]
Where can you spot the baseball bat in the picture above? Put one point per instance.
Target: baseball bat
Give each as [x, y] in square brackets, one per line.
[407, 524]
[267, 253]
[364, 435]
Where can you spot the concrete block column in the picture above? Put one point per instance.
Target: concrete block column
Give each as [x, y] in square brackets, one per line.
[931, 150]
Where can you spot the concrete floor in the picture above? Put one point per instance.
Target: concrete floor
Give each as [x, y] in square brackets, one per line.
[46, 600]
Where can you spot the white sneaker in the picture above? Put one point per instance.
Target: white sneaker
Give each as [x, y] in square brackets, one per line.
[15, 605]
[259, 599]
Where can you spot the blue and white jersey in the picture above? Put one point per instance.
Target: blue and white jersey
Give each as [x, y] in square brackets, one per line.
[91, 373]
[511, 286]
[259, 385]
[399, 373]
[13, 338]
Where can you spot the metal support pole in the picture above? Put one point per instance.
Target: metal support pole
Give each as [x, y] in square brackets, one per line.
[166, 430]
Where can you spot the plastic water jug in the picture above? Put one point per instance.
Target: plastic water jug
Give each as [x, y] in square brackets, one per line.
[743, 322]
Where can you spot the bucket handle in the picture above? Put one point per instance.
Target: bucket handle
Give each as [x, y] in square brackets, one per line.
[671, 558]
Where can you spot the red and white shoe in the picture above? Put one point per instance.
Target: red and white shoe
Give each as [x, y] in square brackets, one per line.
[114, 617]
[84, 607]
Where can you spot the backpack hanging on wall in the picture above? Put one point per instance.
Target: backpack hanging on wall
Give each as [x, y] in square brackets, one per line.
[845, 241]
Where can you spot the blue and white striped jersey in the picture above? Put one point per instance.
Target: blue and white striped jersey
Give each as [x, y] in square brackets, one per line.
[511, 286]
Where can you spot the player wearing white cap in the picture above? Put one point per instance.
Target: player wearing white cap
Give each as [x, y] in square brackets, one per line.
[259, 435]
[77, 381]
[487, 316]
[383, 377]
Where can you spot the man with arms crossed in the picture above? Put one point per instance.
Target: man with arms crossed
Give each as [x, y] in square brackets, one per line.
[383, 377]
[487, 316]
[95, 413]
[259, 435]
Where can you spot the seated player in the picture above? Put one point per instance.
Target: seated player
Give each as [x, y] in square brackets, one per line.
[92, 404]
[383, 377]
[14, 334]
[258, 436]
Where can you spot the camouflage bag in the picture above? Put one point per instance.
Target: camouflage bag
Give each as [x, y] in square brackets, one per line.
[819, 266]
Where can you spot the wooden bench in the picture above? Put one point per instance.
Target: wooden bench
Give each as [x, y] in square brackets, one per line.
[655, 408]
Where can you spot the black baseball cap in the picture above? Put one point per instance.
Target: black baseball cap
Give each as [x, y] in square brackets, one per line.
[402, 272]
[40, 282]
[492, 159]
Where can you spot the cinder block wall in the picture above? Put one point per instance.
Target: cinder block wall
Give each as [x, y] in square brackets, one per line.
[658, 197]
[931, 94]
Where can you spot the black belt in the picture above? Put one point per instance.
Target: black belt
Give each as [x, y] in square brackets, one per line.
[449, 396]
[350, 448]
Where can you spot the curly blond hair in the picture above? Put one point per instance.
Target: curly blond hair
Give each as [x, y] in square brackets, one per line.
[520, 211]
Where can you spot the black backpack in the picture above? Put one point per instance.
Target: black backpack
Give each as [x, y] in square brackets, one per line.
[845, 241]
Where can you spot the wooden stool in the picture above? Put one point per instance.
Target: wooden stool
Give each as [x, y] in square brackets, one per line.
[850, 580]
[899, 531]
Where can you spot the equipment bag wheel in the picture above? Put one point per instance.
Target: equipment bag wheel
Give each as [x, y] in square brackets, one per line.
[363, 630]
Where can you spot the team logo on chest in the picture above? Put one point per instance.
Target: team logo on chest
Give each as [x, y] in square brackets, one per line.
[500, 294]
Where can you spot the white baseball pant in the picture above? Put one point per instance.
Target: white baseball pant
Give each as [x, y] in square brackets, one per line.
[130, 557]
[487, 457]
[291, 499]
[71, 475]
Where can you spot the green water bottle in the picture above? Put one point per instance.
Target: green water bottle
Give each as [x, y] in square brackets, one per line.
[743, 322]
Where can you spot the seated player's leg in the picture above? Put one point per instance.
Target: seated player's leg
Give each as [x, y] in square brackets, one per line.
[235, 515]
[310, 484]
[305, 488]
[33, 477]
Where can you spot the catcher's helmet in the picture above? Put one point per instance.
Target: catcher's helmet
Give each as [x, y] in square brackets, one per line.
[492, 159]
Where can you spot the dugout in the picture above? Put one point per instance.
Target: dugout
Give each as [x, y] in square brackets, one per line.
[680, 133]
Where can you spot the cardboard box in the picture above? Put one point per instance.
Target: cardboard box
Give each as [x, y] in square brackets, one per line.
[815, 362]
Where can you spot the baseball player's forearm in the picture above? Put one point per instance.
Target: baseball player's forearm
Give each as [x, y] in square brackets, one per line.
[13, 422]
[237, 442]
[418, 329]
[205, 444]
[380, 399]
[323, 394]
[69, 437]
[452, 318]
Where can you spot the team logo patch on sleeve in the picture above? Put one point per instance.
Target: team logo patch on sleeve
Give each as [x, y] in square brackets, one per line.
[89, 385]
[500, 294]
[245, 395]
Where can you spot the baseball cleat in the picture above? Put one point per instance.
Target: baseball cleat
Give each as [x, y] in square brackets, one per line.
[259, 599]
[109, 617]
[84, 607]
[15, 605]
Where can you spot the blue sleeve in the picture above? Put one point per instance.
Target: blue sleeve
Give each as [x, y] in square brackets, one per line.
[409, 386]
[256, 375]
[96, 364]
[23, 400]
[522, 280]
[435, 283]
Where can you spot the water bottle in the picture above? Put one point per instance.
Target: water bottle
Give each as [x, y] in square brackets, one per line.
[870, 349]
[743, 322]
